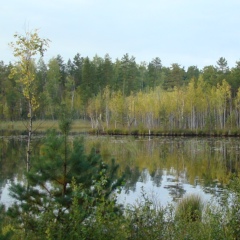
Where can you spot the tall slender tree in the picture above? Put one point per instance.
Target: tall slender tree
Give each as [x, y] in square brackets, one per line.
[222, 65]
[128, 75]
[192, 72]
[53, 87]
[41, 78]
[77, 66]
[209, 74]
[88, 86]
[107, 71]
[154, 72]
[25, 49]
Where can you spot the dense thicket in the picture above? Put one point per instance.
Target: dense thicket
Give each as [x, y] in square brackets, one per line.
[125, 93]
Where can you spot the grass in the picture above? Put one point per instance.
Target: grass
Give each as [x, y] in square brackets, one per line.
[83, 126]
[190, 208]
[39, 126]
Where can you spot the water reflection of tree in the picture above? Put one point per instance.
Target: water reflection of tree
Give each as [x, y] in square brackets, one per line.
[132, 175]
[207, 159]
[176, 191]
[156, 177]
[144, 176]
[10, 159]
[10, 152]
[175, 180]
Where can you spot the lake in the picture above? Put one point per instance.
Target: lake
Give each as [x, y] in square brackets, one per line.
[163, 168]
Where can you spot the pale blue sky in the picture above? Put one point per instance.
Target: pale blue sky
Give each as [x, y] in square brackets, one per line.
[188, 32]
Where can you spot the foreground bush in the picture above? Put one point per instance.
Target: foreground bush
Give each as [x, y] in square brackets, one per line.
[190, 208]
[101, 218]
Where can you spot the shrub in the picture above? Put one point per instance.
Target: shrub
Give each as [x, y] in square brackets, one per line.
[190, 208]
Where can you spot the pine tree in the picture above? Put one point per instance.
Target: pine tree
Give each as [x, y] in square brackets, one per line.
[154, 73]
[87, 86]
[222, 65]
[48, 189]
[77, 66]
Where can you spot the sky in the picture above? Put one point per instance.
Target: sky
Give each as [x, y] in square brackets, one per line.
[187, 32]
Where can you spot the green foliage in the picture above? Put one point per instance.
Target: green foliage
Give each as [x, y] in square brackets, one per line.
[145, 95]
[233, 199]
[222, 64]
[47, 198]
[25, 49]
[190, 208]
[6, 231]
[146, 220]
[96, 217]
[89, 216]
[65, 119]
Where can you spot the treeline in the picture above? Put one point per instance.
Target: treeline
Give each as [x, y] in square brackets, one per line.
[127, 94]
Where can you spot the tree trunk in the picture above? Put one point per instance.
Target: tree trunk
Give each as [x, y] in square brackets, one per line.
[29, 135]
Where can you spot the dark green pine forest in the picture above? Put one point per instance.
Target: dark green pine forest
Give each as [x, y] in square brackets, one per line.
[123, 93]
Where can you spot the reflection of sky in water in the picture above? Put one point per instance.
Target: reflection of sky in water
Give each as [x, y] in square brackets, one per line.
[5, 198]
[168, 191]
[164, 186]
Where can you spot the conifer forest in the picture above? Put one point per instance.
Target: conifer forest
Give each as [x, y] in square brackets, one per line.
[123, 93]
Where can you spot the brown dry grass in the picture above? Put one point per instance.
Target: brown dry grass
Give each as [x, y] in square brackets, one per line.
[44, 125]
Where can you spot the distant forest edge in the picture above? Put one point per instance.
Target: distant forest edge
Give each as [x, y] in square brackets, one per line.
[130, 96]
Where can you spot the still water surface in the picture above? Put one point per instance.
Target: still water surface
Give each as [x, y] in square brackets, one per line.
[165, 168]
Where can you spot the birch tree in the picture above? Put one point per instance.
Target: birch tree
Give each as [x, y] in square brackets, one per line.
[117, 108]
[223, 92]
[25, 49]
[237, 107]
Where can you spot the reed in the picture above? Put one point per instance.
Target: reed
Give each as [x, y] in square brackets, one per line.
[190, 208]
